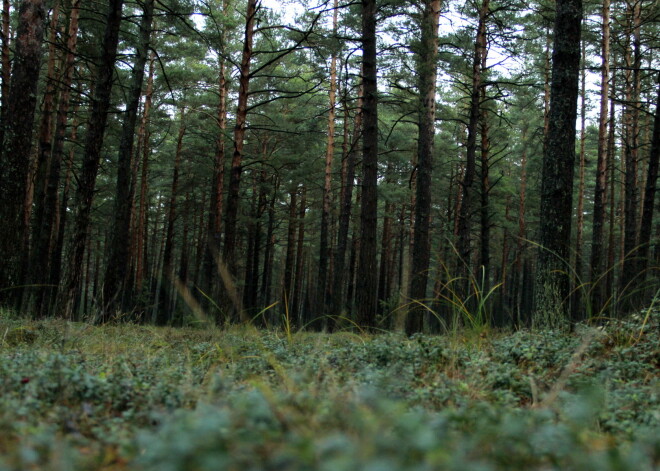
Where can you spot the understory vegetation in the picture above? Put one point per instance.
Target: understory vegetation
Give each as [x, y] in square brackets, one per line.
[76, 396]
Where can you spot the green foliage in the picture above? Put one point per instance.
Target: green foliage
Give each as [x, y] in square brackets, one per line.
[83, 397]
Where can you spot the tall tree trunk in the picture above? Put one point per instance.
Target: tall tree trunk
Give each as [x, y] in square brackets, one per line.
[91, 158]
[577, 313]
[464, 218]
[289, 263]
[650, 192]
[218, 179]
[15, 151]
[5, 68]
[44, 239]
[310, 319]
[552, 279]
[115, 295]
[141, 261]
[348, 181]
[520, 317]
[597, 239]
[267, 273]
[631, 199]
[367, 275]
[322, 292]
[164, 314]
[421, 249]
[484, 193]
[61, 211]
[36, 261]
[231, 216]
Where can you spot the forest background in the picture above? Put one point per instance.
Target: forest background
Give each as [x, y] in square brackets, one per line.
[180, 161]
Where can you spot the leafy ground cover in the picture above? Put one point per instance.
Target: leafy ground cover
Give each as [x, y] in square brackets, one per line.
[75, 396]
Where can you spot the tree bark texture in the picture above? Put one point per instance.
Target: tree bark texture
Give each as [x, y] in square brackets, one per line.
[116, 294]
[421, 249]
[91, 158]
[367, 273]
[598, 226]
[15, 152]
[552, 285]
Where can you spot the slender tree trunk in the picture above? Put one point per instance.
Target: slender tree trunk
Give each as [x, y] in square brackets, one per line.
[44, 239]
[597, 240]
[231, 216]
[141, 261]
[464, 218]
[484, 209]
[91, 158]
[367, 276]
[164, 312]
[631, 199]
[115, 296]
[348, 181]
[218, 180]
[289, 263]
[5, 68]
[421, 249]
[650, 192]
[267, 273]
[322, 292]
[611, 153]
[310, 319]
[521, 316]
[15, 150]
[552, 280]
[38, 255]
[61, 213]
[577, 313]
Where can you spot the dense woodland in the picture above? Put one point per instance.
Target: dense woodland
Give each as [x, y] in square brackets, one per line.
[378, 164]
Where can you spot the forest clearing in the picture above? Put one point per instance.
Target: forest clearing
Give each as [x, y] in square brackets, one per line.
[124, 397]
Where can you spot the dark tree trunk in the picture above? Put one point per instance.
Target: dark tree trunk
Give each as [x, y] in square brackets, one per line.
[164, 310]
[598, 226]
[552, 285]
[346, 203]
[464, 245]
[310, 320]
[45, 237]
[267, 273]
[38, 258]
[289, 263]
[15, 151]
[218, 179]
[91, 158]
[421, 249]
[650, 192]
[231, 216]
[367, 274]
[6, 68]
[115, 295]
[577, 308]
[631, 142]
[322, 292]
[141, 259]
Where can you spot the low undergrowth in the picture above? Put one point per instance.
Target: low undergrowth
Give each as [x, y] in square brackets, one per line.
[73, 396]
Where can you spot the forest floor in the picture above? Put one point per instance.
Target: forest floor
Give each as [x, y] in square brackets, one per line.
[75, 396]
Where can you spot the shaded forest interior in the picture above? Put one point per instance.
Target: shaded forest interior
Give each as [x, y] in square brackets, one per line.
[379, 165]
